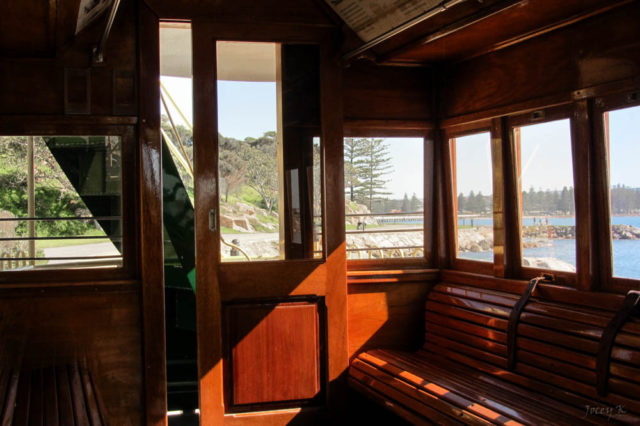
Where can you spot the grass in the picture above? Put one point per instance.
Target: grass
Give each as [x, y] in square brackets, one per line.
[42, 244]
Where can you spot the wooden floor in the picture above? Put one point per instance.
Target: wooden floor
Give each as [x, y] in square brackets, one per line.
[361, 411]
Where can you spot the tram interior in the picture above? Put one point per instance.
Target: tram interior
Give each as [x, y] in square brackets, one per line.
[319, 212]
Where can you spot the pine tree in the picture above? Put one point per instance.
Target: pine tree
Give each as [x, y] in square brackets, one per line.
[353, 152]
[406, 207]
[415, 204]
[373, 165]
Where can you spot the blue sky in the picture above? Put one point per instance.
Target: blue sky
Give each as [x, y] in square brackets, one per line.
[247, 109]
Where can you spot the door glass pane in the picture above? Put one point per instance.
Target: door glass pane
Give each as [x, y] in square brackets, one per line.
[547, 196]
[623, 128]
[474, 200]
[269, 151]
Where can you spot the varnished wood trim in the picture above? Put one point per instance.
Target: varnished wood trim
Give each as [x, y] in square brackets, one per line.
[499, 197]
[152, 261]
[331, 110]
[29, 124]
[601, 190]
[208, 297]
[549, 28]
[354, 127]
[453, 28]
[392, 276]
[57, 287]
[586, 244]
[429, 199]
[511, 109]
[512, 222]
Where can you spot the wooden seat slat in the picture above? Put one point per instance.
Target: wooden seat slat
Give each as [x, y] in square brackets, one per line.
[77, 396]
[464, 358]
[65, 404]
[454, 383]
[467, 327]
[10, 397]
[21, 414]
[383, 400]
[478, 342]
[423, 403]
[427, 393]
[483, 381]
[51, 397]
[36, 403]
[62, 395]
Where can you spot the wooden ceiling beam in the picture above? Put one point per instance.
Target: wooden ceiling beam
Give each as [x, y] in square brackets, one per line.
[447, 30]
[551, 27]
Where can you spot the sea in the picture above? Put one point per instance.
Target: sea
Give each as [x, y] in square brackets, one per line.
[626, 253]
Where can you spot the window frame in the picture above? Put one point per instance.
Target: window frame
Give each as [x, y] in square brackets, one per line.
[601, 105]
[451, 196]
[540, 116]
[356, 129]
[124, 127]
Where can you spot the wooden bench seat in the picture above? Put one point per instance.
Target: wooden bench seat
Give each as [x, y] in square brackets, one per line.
[461, 374]
[56, 395]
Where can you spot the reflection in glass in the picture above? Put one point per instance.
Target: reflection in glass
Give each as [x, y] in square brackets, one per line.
[622, 131]
[548, 207]
[474, 199]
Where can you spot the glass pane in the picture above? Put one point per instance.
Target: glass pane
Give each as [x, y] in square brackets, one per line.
[248, 151]
[624, 151]
[474, 202]
[384, 187]
[548, 208]
[60, 202]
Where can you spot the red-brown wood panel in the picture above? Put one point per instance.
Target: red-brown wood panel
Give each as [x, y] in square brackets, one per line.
[549, 65]
[275, 351]
[53, 326]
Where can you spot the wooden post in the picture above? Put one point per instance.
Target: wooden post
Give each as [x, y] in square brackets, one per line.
[31, 200]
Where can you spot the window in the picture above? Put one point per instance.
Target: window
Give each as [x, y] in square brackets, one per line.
[269, 151]
[384, 193]
[473, 204]
[60, 202]
[621, 130]
[547, 195]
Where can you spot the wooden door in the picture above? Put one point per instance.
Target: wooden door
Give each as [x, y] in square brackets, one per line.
[272, 335]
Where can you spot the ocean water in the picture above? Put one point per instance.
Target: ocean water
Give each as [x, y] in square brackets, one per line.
[626, 253]
[566, 221]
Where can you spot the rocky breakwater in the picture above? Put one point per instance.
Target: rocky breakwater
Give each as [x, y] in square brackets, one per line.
[625, 232]
[475, 239]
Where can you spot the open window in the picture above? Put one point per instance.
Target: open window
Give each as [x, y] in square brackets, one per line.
[61, 203]
[384, 197]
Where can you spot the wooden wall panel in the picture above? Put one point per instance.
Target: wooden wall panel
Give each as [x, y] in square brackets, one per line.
[386, 316]
[386, 94]
[41, 327]
[274, 351]
[597, 51]
[265, 11]
[34, 84]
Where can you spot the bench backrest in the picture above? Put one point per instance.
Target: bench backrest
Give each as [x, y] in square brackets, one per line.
[556, 344]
